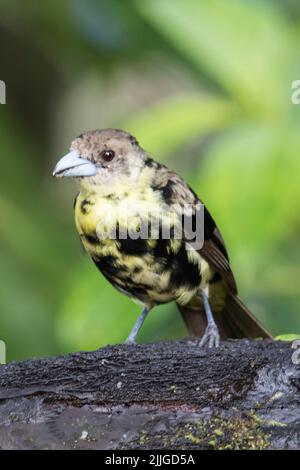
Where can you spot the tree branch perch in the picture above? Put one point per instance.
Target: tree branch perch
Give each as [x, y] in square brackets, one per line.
[171, 395]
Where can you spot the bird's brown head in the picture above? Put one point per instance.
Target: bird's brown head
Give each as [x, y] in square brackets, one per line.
[100, 156]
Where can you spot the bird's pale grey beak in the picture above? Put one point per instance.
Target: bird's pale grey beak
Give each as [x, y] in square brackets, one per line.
[73, 165]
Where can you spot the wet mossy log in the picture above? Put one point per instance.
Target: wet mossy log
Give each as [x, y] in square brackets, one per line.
[173, 395]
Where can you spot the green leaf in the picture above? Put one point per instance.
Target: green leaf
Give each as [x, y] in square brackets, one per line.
[288, 337]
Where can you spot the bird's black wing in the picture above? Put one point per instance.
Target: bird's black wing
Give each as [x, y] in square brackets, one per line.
[176, 192]
[215, 253]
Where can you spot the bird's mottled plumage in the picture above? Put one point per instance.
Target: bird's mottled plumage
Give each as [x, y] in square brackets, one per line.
[152, 271]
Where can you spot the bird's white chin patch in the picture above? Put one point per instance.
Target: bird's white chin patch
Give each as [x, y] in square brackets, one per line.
[73, 165]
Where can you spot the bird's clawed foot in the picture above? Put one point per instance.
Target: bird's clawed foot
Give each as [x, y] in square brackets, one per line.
[130, 340]
[211, 337]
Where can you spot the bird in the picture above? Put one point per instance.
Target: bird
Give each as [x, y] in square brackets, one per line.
[121, 190]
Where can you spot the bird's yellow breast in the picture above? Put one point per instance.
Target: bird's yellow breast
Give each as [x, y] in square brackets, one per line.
[139, 276]
[159, 270]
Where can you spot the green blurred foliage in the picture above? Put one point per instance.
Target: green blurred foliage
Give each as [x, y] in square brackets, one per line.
[206, 87]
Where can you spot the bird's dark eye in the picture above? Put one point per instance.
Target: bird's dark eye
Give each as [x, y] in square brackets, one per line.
[107, 155]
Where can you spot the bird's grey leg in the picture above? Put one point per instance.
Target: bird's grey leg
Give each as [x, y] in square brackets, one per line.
[134, 332]
[211, 336]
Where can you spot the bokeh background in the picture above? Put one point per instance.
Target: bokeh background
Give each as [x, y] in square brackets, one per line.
[205, 86]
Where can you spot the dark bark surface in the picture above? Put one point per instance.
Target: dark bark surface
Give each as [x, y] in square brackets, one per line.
[171, 395]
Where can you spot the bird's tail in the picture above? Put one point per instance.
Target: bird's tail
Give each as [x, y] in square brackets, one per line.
[233, 321]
